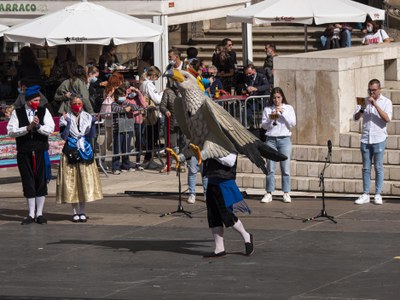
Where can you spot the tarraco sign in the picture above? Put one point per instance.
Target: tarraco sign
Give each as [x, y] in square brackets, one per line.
[22, 7]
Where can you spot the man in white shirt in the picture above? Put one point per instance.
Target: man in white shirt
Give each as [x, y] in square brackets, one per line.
[376, 112]
[174, 58]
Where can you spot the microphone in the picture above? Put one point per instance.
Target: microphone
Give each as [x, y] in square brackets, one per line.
[329, 147]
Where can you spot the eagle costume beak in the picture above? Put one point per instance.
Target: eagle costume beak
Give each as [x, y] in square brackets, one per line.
[175, 75]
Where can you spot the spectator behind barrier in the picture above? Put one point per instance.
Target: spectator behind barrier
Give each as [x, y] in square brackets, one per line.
[375, 35]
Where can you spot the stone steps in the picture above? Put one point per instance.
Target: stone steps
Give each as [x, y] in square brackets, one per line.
[340, 155]
[313, 169]
[352, 140]
[393, 128]
[288, 39]
[343, 175]
[312, 184]
[339, 177]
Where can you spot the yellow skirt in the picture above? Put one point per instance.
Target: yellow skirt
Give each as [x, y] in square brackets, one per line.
[78, 182]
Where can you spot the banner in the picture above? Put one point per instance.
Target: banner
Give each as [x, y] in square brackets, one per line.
[8, 150]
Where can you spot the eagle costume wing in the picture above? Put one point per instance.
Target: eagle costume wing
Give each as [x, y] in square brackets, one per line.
[211, 139]
[212, 128]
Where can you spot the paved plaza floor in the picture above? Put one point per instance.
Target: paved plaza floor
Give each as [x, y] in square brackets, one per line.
[127, 251]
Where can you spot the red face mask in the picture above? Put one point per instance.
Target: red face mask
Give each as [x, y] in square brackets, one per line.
[76, 108]
[35, 105]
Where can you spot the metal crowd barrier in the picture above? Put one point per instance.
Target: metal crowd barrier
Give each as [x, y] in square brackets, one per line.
[247, 111]
[233, 106]
[132, 139]
[253, 108]
[118, 135]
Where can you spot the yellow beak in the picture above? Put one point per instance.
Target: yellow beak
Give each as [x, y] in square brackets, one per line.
[175, 75]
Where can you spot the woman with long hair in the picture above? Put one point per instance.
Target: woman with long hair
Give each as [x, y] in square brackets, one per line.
[278, 118]
[374, 34]
[76, 85]
[153, 100]
[28, 67]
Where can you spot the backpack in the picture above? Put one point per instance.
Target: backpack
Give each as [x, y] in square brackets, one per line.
[98, 101]
[151, 112]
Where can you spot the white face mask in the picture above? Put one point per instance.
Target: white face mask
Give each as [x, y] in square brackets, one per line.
[369, 28]
[171, 62]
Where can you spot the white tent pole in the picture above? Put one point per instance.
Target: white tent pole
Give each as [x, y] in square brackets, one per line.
[305, 38]
[161, 49]
[84, 54]
[247, 38]
[247, 41]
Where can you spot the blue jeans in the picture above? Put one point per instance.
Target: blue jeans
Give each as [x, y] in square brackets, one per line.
[193, 169]
[139, 140]
[284, 146]
[323, 39]
[375, 152]
[121, 144]
[345, 38]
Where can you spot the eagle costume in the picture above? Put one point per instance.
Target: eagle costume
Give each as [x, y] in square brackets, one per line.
[210, 127]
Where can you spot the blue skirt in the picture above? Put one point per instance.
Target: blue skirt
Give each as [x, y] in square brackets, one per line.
[233, 198]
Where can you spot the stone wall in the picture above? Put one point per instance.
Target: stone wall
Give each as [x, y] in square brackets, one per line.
[322, 86]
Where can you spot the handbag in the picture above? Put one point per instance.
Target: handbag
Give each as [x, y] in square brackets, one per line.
[72, 154]
[151, 113]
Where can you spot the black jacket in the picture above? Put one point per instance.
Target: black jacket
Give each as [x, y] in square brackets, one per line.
[260, 82]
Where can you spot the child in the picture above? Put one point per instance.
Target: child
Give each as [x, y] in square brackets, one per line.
[8, 111]
[96, 88]
[123, 127]
[135, 96]
[114, 82]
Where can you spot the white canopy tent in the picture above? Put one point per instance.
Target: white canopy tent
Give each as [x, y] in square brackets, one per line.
[84, 23]
[3, 28]
[305, 12]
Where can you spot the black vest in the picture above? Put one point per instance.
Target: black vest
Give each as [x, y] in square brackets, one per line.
[32, 141]
[213, 169]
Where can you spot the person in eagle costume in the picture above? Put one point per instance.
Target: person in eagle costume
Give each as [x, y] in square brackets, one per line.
[216, 140]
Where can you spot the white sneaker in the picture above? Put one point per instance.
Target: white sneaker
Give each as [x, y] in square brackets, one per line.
[286, 198]
[378, 199]
[129, 170]
[267, 198]
[191, 199]
[364, 198]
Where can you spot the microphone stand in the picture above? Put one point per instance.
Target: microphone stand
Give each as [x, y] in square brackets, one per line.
[323, 213]
[180, 208]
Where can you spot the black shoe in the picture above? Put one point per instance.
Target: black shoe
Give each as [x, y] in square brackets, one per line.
[83, 218]
[41, 220]
[215, 255]
[249, 246]
[75, 218]
[28, 220]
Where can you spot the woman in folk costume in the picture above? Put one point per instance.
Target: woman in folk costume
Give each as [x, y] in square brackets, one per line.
[31, 125]
[78, 181]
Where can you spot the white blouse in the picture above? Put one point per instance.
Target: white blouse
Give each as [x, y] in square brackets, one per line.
[281, 126]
